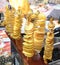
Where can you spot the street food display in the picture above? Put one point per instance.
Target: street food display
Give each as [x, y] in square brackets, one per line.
[34, 32]
[35, 38]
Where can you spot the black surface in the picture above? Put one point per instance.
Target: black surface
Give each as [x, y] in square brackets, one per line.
[57, 30]
[56, 54]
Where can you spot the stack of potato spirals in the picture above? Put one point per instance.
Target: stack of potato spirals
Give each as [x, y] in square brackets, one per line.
[28, 44]
[12, 20]
[16, 34]
[49, 43]
[8, 20]
[39, 32]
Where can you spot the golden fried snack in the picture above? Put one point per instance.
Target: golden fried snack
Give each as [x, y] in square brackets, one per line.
[6, 15]
[51, 26]
[49, 42]
[28, 50]
[38, 35]
[28, 45]
[39, 31]
[16, 33]
[49, 46]
[29, 29]
[16, 29]
[29, 40]
[9, 20]
[28, 54]
[38, 41]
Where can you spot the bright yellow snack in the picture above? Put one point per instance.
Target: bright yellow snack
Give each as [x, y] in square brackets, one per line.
[28, 45]
[16, 34]
[9, 20]
[29, 29]
[28, 54]
[49, 43]
[39, 31]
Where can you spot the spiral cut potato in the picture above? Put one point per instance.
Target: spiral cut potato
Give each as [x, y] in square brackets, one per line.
[38, 41]
[39, 32]
[8, 20]
[48, 47]
[16, 34]
[11, 23]
[6, 17]
[51, 26]
[49, 43]
[28, 47]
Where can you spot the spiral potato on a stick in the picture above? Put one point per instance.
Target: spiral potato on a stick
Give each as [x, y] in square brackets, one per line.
[28, 44]
[39, 31]
[49, 42]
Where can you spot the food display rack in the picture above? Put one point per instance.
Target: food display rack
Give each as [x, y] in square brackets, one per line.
[17, 59]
